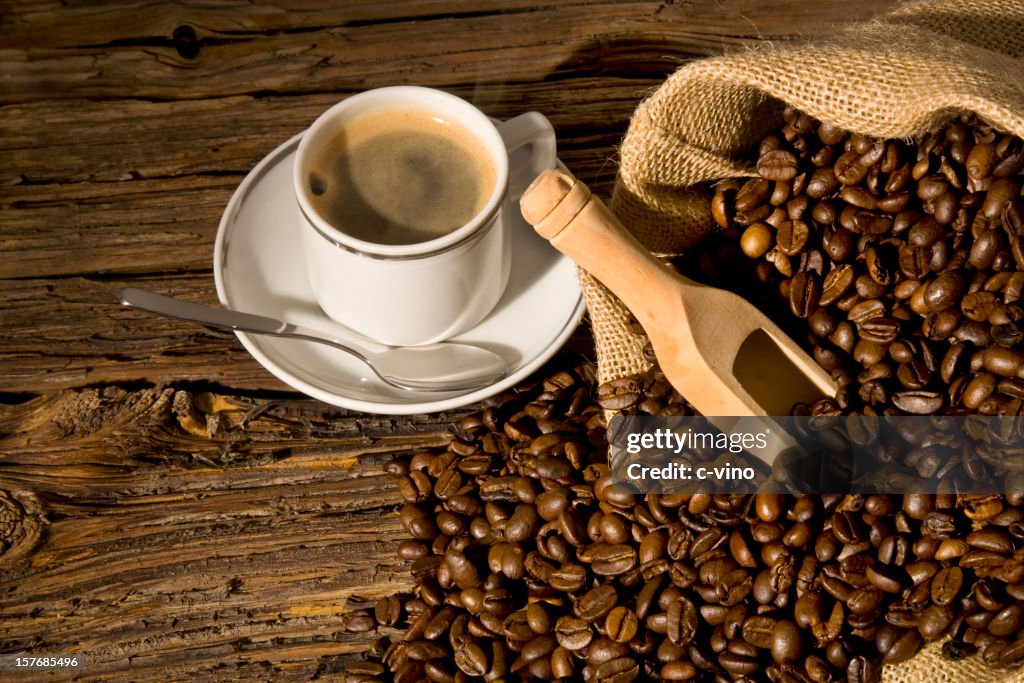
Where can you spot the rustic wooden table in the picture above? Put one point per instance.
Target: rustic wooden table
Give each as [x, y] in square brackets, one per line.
[167, 507]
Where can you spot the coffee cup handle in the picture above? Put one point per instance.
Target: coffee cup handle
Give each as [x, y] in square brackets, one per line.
[532, 130]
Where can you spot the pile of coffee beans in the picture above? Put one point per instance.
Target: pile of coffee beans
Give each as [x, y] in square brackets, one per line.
[901, 265]
[530, 565]
[905, 259]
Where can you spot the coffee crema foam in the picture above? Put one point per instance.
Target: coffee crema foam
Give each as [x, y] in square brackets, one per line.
[400, 177]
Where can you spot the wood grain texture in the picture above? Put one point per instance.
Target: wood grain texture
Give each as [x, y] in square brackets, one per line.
[318, 51]
[116, 203]
[178, 528]
[167, 507]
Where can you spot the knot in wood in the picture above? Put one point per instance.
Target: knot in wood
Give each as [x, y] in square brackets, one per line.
[11, 515]
[186, 42]
[21, 525]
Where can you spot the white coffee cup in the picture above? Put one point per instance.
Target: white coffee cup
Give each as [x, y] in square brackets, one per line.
[409, 294]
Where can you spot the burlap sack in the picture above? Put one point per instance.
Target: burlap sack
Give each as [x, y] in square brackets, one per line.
[912, 69]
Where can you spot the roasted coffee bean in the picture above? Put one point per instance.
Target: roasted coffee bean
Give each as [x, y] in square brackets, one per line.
[848, 169]
[573, 633]
[918, 402]
[447, 484]
[768, 506]
[756, 240]
[723, 203]
[417, 522]
[792, 237]
[1008, 334]
[498, 489]
[538, 618]
[777, 165]
[950, 549]
[870, 223]
[904, 647]
[551, 503]
[753, 194]
[618, 670]
[864, 600]
[1002, 361]
[568, 578]
[359, 621]
[620, 394]
[946, 585]
[621, 624]
[758, 630]
[517, 626]
[537, 647]
[999, 194]
[934, 621]
[653, 546]
[412, 550]
[992, 539]
[804, 293]
[1008, 621]
[414, 488]
[738, 665]
[944, 291]
[787, 644]
[679, 671]
[613, 560]
[881, 329]
[978, 389]
[885, 578]
[596, 603]
[522, 524]
[424, 650]
[469, 656]
[463, 571]
[682, 621]
[822, 183]
[387, 611]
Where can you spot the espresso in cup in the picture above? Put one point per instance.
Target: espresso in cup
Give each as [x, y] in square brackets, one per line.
[404, 201]
[401, 176]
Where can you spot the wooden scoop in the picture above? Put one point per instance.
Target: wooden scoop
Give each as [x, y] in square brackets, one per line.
[716, 349]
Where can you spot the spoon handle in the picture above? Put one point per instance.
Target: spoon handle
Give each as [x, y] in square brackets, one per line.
[443, 367]
[221, 318]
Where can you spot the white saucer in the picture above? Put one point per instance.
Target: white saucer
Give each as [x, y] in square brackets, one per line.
[258, 267]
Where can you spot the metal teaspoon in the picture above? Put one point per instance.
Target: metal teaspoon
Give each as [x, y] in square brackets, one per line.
[446, 366]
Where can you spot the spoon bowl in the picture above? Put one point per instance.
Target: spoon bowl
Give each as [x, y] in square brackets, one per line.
[445, 366]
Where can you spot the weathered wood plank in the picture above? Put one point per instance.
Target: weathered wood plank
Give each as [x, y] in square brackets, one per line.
[123, 227]
[160, 553]
[86, 141]
[70, 332]
[186, 431]
[114, 21]
[488, 48]
[93, 199]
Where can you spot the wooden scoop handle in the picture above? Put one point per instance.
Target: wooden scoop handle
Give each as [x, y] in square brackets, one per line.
[583, 228]
[717, 349]
[563, 211]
